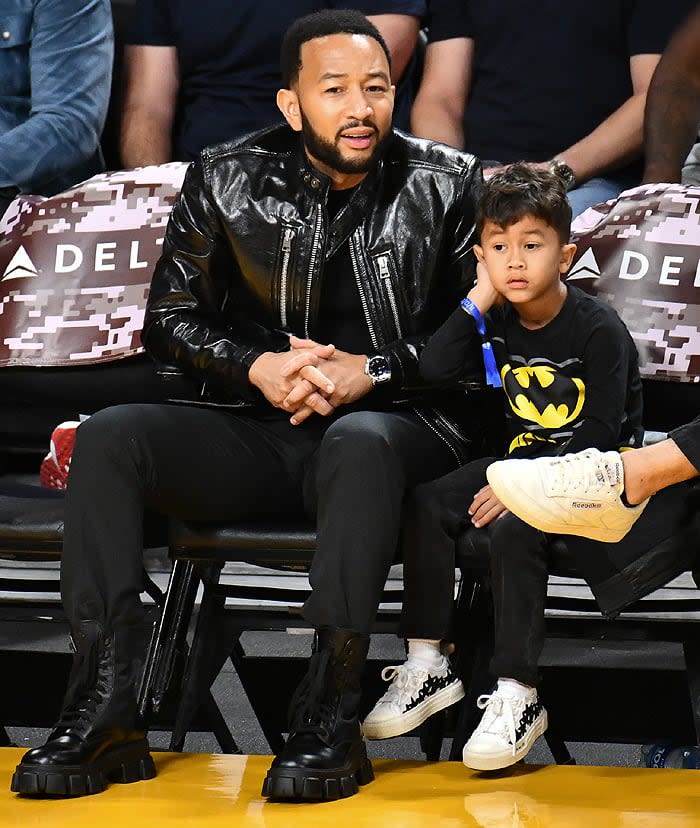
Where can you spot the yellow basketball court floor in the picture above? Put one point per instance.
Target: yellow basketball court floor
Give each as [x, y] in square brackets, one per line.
[201, 790]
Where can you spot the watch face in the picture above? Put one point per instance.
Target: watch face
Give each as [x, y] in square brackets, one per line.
[564, 171]
[378, 368]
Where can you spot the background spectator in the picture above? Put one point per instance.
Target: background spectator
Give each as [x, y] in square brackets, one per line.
[672, 116]
[55, 72]
[537, 81]
[200, 72]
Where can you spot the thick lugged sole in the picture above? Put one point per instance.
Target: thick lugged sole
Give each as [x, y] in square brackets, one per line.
[388, 728]
[504, 759]
[312, 784]
[124, 764]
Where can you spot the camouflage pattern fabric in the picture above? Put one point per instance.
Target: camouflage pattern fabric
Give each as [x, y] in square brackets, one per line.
[641, 253]
[75, 268]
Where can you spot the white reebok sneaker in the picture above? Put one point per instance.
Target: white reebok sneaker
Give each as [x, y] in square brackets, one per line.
[510, 726]
[575, 494]
[415, 693]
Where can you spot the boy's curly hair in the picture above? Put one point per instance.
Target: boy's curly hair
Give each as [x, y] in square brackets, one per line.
[523, 189]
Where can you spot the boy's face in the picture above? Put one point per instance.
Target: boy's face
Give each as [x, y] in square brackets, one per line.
[525, 261]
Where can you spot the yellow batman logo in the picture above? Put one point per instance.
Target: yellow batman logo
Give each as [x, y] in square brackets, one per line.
[523, 440]
[540, 394]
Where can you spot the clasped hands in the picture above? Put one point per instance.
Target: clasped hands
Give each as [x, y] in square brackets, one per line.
[309, 379]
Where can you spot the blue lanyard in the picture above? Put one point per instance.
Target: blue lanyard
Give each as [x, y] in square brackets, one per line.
[492, 376]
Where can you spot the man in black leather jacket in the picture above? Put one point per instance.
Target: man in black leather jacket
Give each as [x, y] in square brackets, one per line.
[298, 282]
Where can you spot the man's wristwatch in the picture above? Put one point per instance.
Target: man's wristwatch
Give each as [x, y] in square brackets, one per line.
[378, 369]
[564, 171]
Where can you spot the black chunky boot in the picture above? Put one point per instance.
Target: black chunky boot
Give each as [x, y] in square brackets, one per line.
[97, 737]
[325, 756]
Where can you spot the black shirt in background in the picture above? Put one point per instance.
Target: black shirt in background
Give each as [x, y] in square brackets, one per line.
[546, 73]
[228, 55]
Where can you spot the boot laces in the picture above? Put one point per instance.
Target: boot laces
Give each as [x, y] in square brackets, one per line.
[92, 672]
[313, 708]
[579, 474]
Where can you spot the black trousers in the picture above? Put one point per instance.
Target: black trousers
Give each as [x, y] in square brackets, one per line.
[201, 464]
[435, 515]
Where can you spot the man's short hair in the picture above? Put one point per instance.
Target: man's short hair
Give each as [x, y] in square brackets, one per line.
[523, 189]
[322, 24]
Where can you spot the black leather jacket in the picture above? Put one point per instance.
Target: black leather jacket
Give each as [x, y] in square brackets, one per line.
[245, 247]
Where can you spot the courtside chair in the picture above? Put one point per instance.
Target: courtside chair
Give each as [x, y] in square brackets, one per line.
[227, 610]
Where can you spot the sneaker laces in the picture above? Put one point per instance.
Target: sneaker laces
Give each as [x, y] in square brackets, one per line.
[499, 717]
[406, 680]
[575, 473]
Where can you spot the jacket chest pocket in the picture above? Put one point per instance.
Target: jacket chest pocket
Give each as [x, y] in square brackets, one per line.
[15, 37]
[284, 269]
[388, 279]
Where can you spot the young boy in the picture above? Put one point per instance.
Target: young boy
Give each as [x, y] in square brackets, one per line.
[568, 368]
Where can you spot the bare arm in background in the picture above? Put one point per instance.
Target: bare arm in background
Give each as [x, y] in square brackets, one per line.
[400, 31]
[672, 115]
[438, 110]
[619, 138]
[150, 98]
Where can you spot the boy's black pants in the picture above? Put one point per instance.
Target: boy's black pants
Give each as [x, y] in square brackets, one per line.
[435, 515]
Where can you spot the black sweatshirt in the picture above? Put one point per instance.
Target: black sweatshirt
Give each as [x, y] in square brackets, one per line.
[571, 385]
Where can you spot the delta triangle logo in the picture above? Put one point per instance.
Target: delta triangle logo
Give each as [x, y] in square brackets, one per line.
[585, 268]
[20, 266]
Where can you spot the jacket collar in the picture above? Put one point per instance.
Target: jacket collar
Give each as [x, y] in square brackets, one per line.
[357, 208]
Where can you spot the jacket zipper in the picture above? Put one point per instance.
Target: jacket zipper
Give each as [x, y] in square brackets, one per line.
[361, 290]
[440, 435]
[385, 276]
[286, 256]
[449, 426]
[312, 266]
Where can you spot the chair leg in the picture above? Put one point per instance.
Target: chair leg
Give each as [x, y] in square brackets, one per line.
[557, 747]
[431, 735]
[432, 732]
[168, 637]
[474, 650]
[275, 739]
[211, 646]
[691, 651]
[218, 725]
[151, 588]
[553, 738]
